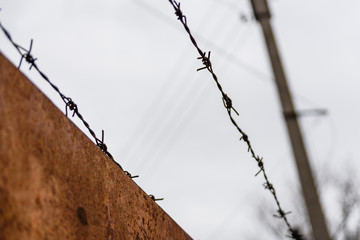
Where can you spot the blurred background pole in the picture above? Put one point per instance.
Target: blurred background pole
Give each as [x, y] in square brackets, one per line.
[312, 202]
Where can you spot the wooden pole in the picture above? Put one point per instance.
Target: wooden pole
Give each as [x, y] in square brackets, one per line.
[310, 194]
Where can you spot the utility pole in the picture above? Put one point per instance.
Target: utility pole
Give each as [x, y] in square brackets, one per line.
[315, 213]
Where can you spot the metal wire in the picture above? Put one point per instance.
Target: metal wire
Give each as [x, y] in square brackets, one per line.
[69, 103]
[205, 58]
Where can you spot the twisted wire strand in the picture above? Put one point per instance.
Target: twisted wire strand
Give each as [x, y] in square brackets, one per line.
[205, 58]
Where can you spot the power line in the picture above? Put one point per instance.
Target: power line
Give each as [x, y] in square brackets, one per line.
[175, 118]
[258, 74]
[179, 120]
[163, 97]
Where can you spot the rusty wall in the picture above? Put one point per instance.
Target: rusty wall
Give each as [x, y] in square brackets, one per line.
[57, 184]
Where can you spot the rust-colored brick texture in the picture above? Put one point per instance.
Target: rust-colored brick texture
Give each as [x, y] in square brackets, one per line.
[57, 184]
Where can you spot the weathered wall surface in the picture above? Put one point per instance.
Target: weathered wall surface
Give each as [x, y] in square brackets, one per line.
[56, 184]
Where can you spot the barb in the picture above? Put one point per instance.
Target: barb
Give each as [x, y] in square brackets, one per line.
[295, 234]
[130, 176]
[155, 199]
[27, 56]
[228, 105]
[70, 105]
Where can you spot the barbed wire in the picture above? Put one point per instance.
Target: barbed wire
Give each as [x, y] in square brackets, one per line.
[70, 105]
[205, 58]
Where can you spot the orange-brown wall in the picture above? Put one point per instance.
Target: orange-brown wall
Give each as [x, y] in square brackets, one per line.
[57, 184]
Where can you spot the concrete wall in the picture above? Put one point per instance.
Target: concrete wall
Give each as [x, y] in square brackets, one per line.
[57, 184]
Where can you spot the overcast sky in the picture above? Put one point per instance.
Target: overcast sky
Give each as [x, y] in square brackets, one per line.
[131, 69]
